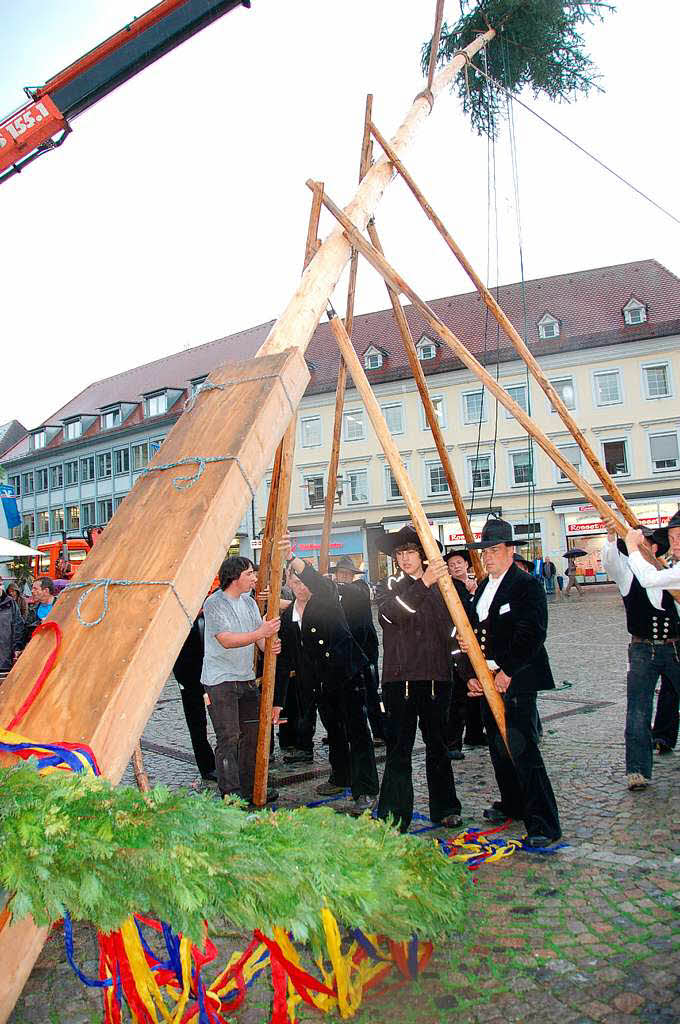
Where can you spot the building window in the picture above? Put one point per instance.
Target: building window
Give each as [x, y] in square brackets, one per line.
[394, 417]
[87, 469]
[664, 451]
[156, 405]
[73, 517]
[313, 491]
[38, 440]
[607, 387]
[88, 514]
[72, 429]
[357, 487]
[121, 460]
[196, 385]
[572, 453]
[634, 312]
[615, 457]
[56, 476]
[43, 521]
[117, 501]
[57, 520]
[155, 446]
[105, 510]
[15, 482]
[110, 418]
[71, 472]
[28, 520]
[548, 327]
[436, 479]
[104, 465]
[479, 472]
[474, 407]
[564, 386]
[41, 479]
[426, 350]
[140, 456]
[657, 380]
[27, 482]
[439, 411]
[392, 492]
[354, 426]
[518, 393]
[373, 359]
[522, 468]
[310, 431]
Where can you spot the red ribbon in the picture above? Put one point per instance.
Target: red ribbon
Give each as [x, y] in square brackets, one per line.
[44, 627]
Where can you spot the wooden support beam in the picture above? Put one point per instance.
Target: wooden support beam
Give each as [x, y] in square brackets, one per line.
[107, 679]
[523, 351]
[273, 606]
[434, 48]
[268, 535]
[298, 321]
[410, 496]
[331, 481]
[433, 422]
[141, 777]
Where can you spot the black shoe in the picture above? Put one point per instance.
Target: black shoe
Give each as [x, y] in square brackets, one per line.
[662, 748]
[495, 814]
[299, 757]
[455, 755]
[209, 776]
[540, 842]
[451, 821]
[272, 795]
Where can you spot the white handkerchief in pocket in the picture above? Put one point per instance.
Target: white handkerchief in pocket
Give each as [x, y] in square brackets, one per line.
[503, 609]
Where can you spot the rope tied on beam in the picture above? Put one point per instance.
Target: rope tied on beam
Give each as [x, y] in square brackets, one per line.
[210, 386]
[184, 483]
[89, 587]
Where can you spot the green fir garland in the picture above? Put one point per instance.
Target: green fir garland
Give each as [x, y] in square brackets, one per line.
[538, 44]
[102, 853]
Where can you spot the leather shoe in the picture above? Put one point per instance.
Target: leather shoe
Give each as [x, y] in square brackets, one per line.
[455, 755]
[299, 757]
[329, 789]
[495, 814]
[451, 821]
[272, 795]
[209, 776]
[540, 842]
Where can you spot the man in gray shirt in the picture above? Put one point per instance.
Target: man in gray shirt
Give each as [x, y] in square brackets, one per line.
[233, 625]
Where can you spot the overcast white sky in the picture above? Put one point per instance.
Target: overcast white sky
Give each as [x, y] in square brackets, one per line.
[176, 212]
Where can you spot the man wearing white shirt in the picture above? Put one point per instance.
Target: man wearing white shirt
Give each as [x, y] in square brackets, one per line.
[654, 625]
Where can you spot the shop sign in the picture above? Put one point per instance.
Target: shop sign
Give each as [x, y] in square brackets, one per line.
[652, 515]
[340, 544]
[453, 532]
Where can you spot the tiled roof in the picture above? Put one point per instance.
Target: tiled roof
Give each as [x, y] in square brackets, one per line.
[587, 303]
[10, 433]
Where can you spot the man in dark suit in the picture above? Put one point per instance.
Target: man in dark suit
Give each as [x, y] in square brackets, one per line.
[510, 619]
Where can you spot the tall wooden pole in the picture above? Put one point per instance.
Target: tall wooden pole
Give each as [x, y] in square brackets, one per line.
[434, 48]
[410, 496]
[268, 535]
[297, 323]
[518, 343]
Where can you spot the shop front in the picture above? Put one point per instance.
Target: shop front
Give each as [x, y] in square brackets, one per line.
[529, 535]
[585, 530]
[342, 542]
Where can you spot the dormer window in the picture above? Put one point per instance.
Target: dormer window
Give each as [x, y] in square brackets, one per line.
[196, 385]
[634, 312]
[38, 439]
[73, 429]
[426, 349]
[548, 327]
[110, 417]
[373, 358]
[155, 405]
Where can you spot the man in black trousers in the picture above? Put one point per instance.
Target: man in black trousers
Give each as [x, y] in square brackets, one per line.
[316, 639]
[510, 619]
[416, 681]
[187, 671]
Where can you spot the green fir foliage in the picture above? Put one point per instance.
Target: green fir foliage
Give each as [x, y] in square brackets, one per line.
[76, 843]
[538, 45]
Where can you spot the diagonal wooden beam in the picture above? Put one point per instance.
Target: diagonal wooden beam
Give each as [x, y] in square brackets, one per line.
[518, 342]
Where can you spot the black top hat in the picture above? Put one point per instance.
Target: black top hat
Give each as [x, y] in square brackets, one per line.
[495, 531]
[408, 535]
[461, 552]
[345, 562]
[658, 537]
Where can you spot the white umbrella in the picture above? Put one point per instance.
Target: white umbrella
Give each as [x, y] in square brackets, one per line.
[10, 549]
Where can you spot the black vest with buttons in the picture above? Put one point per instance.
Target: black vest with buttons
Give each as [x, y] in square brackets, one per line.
[646, 621]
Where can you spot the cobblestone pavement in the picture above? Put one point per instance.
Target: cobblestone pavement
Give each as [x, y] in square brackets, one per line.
[589, 934]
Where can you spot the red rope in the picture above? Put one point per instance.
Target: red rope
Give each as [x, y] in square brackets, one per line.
[44, 627]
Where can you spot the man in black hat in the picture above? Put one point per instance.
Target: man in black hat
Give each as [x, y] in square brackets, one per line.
[317, 644]
[654, 626]
[416, 682]
[464, 712]
[510, 619]
[355, 597]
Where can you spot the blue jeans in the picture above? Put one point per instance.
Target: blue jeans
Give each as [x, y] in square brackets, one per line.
[550, 584]
[646, 662]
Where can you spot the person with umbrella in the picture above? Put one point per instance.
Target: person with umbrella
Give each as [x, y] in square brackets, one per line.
[570, 555]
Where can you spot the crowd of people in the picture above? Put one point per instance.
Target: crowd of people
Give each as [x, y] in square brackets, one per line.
[20, 616]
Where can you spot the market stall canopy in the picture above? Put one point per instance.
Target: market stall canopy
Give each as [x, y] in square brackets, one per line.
[10, 549]
[574, 553]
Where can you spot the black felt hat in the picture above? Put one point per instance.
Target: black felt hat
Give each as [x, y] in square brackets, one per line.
[388, 542]
[345, 562]
[529, 566]
[461, 552]
[658, 537]
[495, 531]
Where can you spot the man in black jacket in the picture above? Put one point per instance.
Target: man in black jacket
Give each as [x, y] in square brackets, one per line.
[510, 618]
[416, 682]
[316, 640]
